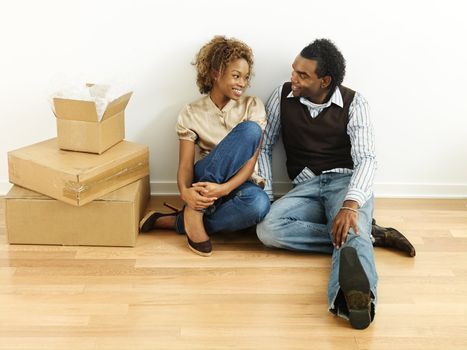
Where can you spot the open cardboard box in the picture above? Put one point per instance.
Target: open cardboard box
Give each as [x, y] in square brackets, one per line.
[74, 177]
[79, 128]
[112, 220]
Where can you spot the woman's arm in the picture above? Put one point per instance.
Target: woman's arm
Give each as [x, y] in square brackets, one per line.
[190, 194]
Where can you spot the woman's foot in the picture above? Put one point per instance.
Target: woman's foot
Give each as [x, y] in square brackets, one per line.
[198, 239]
[165, 222]
[154, 219]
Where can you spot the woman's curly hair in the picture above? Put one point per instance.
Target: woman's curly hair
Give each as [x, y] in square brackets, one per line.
[215, 56]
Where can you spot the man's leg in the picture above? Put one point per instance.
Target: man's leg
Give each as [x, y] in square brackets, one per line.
[297, 221]
[334, 190]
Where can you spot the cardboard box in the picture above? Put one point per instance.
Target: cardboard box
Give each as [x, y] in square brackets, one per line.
[79, 128]
[112, 220]
[74, 177]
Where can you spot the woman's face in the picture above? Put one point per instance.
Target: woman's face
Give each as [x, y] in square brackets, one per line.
[233, 81]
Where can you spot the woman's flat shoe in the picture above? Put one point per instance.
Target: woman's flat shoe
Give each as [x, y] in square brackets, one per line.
[201, 248]
[148, 221]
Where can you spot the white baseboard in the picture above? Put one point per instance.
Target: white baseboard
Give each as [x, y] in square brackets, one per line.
[420, 190]
[164, 188]
[382, 190]
[170, 188]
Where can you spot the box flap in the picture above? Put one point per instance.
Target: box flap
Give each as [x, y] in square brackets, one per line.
[117, 105]
[75, 110]
[76, 177]
[18, 192]
[123, 194]
[48, 154]
[126, 193]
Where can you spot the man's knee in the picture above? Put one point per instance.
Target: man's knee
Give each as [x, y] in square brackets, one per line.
[266, 231]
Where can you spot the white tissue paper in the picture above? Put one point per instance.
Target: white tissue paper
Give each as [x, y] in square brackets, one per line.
[100, 94]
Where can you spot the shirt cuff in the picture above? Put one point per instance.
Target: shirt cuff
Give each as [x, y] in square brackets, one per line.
[357, 196]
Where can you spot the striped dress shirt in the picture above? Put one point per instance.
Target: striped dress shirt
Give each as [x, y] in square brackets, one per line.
[359, 129]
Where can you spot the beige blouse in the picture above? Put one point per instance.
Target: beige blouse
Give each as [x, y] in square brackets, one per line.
[203, 123]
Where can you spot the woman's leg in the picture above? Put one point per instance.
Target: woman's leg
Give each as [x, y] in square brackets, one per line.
[244, 207]
[230, 155]
[224, 161]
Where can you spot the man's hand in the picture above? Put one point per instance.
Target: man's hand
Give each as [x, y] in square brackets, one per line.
[195, 199]
[344, 220]
[211, 189]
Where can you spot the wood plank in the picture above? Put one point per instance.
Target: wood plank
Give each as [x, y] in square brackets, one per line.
[160, 295]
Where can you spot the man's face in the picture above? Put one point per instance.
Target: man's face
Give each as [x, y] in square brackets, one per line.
[305, 82]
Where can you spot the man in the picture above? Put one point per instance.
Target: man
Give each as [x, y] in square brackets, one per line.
[328, 139]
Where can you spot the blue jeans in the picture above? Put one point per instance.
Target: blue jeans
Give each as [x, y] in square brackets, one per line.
[248, 204]
[302, 219]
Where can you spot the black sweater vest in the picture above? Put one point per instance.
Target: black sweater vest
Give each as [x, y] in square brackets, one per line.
[319, 143]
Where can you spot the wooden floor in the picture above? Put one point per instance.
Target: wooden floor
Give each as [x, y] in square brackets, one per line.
[159, 295]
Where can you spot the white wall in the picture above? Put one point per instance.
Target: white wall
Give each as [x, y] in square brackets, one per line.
[407, 57]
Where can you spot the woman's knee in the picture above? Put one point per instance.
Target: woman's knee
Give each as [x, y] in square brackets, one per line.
[250, 131]
[256, 201]
[262, 206]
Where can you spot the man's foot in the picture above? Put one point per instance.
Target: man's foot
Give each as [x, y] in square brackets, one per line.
[355, 287]
[389, 237]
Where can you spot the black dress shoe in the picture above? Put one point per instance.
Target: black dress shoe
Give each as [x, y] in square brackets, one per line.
[355, 287]
[389, 237]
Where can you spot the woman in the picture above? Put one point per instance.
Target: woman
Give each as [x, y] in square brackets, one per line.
[222, 191]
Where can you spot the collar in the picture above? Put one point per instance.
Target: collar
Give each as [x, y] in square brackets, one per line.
[336, 98]
[226, 108]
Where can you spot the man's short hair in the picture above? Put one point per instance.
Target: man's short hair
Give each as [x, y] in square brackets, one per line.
[330, 60]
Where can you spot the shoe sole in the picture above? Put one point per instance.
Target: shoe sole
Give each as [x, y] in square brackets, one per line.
[143, 220]
[352, 276]
[198, 252]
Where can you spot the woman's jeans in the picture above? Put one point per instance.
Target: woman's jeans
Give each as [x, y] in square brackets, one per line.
[302, 219]
[248, 204]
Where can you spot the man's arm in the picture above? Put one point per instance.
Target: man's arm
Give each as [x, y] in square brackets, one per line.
[360, 131]
[271, 134]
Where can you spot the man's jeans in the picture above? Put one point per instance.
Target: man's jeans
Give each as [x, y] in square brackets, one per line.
[247, 204]
[302, 219]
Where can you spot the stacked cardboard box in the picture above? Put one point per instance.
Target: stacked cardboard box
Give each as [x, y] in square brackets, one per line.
[86, 187]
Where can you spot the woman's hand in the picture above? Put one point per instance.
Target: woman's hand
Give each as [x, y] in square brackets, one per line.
[195, 199]
[211, 189]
